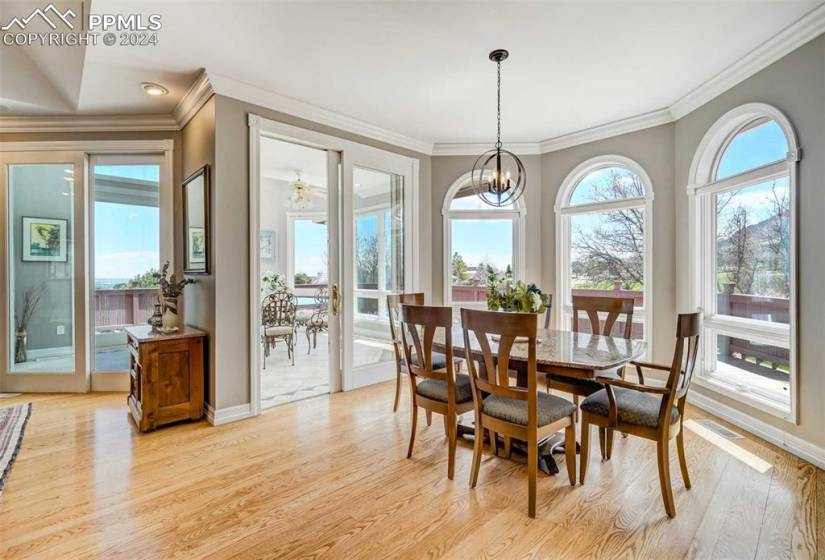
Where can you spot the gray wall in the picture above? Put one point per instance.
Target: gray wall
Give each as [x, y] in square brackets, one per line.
[230, 219]
[198, 149]
[796, 85]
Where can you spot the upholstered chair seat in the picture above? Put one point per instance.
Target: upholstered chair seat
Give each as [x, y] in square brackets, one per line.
[437, 390]
[633, 407]
[549, 409]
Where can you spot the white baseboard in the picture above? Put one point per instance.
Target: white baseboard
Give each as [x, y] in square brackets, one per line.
[228, 414]
[803, 449]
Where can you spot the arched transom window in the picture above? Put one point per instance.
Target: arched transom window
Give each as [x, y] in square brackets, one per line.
[742, 192]
[479, 241]
[603, 224]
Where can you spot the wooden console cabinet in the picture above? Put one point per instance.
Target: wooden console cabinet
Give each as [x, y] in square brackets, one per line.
[166, 376]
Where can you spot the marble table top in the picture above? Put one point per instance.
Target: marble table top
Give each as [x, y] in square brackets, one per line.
[563, 349]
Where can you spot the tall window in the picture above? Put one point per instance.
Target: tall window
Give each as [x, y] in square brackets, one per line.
[604, 210]
[480, 241]
[743, 183]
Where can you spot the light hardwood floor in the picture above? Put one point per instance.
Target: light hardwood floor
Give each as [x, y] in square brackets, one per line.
[327, 477]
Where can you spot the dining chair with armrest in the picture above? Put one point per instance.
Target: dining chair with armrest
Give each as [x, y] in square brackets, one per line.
[521, 413]
[650, 412]
[440, 389]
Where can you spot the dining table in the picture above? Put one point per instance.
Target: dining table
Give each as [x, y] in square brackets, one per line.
[570, 354]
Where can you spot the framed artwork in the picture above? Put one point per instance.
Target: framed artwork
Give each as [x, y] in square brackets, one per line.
[196, 222]
[267, 237]
[45, 239]
[197, 245]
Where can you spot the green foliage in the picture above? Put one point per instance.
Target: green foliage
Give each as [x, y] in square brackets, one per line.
[148, 279]
[303, 278]
[504, 295]
[460, 270]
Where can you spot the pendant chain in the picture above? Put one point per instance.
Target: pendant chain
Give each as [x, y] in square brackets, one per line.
[498, 105]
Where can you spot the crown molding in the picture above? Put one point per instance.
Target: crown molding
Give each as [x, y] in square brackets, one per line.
[251, 94]
[86, 123]
[608, 130]
[803, 30]
[477, 148]
[195, 97]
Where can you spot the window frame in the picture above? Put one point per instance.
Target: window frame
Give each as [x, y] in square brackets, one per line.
[702, 186]
[565, 211]
[518, 218]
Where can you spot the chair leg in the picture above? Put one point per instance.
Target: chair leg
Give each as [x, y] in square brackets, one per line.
[576, 404]
[585, 448]
[308, 344]
[602, 445]
[478, 447]
[494, 442]
[413, 424]
[570, 451]
[507, 448]
[609, 442]
[429, 417]
[397, 388]
[532, 467]
[680, 448]
[662, 452]
[452, 430]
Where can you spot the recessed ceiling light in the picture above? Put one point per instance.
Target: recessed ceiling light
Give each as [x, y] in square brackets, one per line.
[154, 89]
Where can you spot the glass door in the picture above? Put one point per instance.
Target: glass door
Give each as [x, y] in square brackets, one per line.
[125, 254]
[377, 257]
[43, 263]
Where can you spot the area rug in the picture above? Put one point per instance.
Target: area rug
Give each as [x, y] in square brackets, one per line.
[12, 424]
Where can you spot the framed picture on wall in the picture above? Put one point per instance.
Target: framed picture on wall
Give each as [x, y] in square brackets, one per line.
[267, 244]
[45, 239]
[196, 222]
[197, 245]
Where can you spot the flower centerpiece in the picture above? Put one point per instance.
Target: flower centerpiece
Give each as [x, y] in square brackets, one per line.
[505, 295]
[170, 289]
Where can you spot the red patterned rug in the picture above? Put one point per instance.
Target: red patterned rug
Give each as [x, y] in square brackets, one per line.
[12, 424]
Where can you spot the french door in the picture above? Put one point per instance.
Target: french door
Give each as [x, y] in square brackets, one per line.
[43, 263]
[371, 228]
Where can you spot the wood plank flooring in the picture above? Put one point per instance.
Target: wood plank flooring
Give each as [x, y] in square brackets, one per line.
[327, 477]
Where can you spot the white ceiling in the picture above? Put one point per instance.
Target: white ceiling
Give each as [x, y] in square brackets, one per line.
[415, 68]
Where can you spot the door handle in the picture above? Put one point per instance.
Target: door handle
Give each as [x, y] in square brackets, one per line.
[336, 297]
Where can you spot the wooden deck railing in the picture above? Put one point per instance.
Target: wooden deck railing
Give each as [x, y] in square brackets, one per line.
[122, 308]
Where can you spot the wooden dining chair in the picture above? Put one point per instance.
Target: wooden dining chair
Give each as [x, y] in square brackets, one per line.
[521, 413]
[394, 302]
[440, 389]
[592, 306]
[655, 413]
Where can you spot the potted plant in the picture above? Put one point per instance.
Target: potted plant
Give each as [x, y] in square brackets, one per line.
[31, 299]
[170, 289]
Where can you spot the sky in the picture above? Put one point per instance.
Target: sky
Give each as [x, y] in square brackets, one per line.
[127, 238]
[310, 247]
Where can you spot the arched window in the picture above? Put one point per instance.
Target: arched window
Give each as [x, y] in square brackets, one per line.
[479, 240]
[603, 225]
[742, 191]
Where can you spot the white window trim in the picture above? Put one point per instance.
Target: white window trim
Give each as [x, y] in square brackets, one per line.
[518, 217]
[381, 293]
[701, 186]
[563, 213]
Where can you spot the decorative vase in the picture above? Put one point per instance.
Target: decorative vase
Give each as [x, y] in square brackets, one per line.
[170, 313]
[156, 320]
[20, 355]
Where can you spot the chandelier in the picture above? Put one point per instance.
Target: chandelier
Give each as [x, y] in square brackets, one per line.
[498, 176]
[299, 197]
